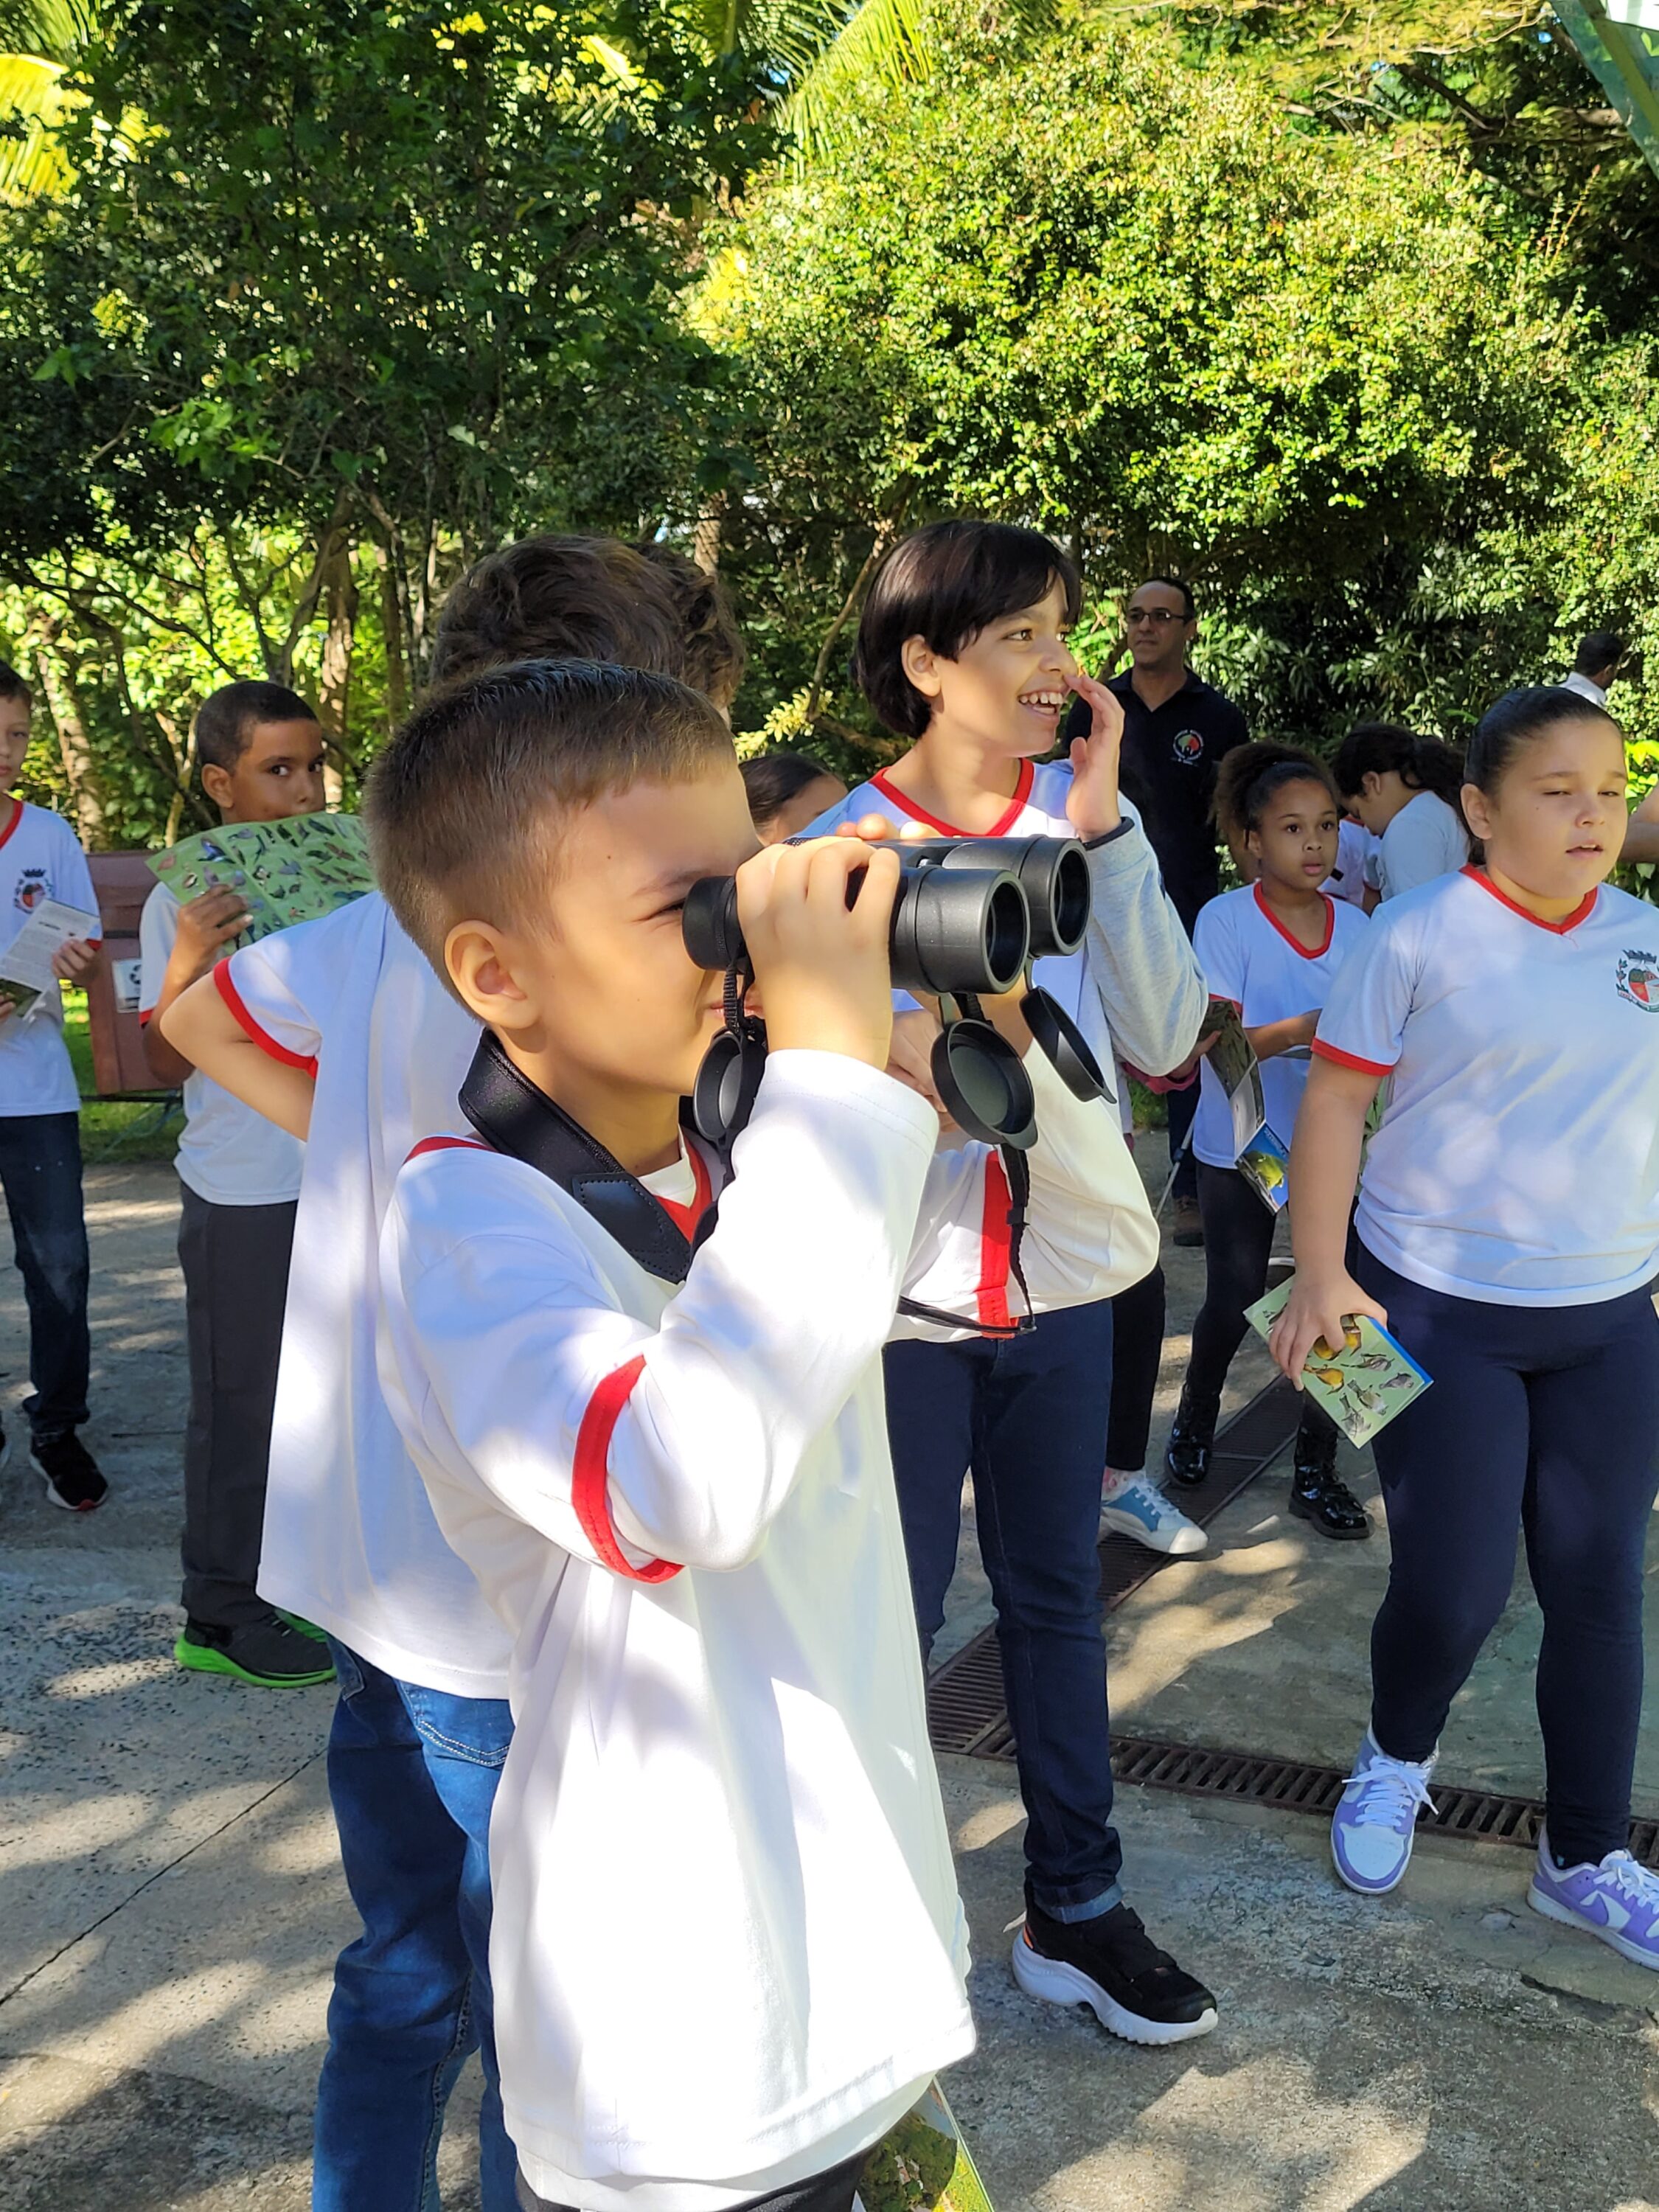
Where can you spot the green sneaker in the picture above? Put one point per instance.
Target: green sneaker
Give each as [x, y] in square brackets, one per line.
[306, 1627]
[268, 1653]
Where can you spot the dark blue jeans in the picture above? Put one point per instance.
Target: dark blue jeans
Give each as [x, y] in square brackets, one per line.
[1027, 1415]
[40, 1175]
[412, 1774]
[1543, 1419]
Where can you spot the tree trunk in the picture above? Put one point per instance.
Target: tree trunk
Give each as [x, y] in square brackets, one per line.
[391, 626]
[56, 674]
[334, 690]
[706, 539]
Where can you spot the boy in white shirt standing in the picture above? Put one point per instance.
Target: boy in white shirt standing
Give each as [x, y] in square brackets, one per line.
[40, 1128]
[261, 754]
[662, 1449]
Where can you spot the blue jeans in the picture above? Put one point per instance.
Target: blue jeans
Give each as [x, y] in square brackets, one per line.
[412, 1774]
[40, 1174]
[1027, 1415]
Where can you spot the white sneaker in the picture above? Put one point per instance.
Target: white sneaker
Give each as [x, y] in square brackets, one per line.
[1376, 1820]
[1138, 1507]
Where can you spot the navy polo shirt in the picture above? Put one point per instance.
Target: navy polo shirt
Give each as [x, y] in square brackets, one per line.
[1170, 757]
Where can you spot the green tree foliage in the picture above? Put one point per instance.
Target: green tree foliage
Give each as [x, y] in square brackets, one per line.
[379, 281]
[1118, 297]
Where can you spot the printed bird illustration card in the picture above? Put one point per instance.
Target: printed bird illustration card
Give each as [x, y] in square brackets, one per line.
[1363, 1383]
[1265, 1166]
[922, 2164]
[287, 871]
[1232, 1057]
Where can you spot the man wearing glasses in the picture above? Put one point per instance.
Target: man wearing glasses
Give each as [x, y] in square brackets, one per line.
[1177, 730]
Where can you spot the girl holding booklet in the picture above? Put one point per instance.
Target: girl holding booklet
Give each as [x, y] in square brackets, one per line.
[1508, 1236]
[1274, 949]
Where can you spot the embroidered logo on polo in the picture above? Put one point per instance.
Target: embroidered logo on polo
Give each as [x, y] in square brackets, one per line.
[1639, 980]
[33, 888]
[1189, 747]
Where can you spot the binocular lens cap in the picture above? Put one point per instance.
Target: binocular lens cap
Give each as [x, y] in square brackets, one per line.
[1062, 1044]
[984, 1086]
[726, 1083]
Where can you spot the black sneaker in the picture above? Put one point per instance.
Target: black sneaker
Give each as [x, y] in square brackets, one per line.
[1187, 1455]
[1112, 1965]
[267, 1653]
[71, 1474]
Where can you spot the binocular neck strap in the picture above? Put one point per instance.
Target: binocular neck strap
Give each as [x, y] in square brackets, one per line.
[510, 1115]
[1018, 1172]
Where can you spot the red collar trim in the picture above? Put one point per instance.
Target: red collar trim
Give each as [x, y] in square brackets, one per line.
[1309, 953]
[999, 828]
[1582, 912]
[685, 1218]
[445, 1145]
[16, 817]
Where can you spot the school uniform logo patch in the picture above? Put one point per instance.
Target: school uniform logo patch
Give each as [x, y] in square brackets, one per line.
[32, 890]
[1189, 747]
[1639, 980]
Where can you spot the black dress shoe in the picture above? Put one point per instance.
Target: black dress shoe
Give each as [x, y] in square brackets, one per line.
[1187, 1455]
[1320, 1495]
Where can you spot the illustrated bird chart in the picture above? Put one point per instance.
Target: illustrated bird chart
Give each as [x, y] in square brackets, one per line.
[287, 871]
[1363, 1383]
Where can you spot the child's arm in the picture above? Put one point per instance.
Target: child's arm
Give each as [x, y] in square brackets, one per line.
[1272, 1038]
[204, 925]
[206, 1032]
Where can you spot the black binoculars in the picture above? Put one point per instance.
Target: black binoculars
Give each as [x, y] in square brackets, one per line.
[970, 913]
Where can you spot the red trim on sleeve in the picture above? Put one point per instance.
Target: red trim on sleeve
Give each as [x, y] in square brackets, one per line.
[144, 1014]
[1333, 1052]
[16, 817]
[1582, 912]
[245, 1021]
[999, 828]
[996, 1248]
[1308, 952]
[446, 1144]
[685, 1218]
[591, 1476]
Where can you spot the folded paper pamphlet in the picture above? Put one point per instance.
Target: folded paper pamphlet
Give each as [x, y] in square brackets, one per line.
[1265, 1166]
[26, 968]
[1362, 1384]
[1236, 1068]
[287, 871]
[922, 2164]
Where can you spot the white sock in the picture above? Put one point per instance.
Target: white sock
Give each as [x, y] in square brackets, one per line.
[1116, 1480]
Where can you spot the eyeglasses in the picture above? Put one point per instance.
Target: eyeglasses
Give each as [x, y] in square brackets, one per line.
[1162, 615]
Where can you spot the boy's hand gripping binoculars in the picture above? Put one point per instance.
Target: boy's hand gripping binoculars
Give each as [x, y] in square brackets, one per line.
[970, 914]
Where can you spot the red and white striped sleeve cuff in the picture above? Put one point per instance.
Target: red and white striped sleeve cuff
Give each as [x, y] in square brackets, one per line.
[223, 983]
[1341, 1058]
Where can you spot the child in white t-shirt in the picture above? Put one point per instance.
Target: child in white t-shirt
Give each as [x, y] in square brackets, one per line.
[657, 1439]
[40, 1128]
[1508, 1235]
[1403, 789]
[1274, 949]
[261, 754]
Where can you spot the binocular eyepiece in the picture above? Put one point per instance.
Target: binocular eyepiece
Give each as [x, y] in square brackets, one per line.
[970, 912]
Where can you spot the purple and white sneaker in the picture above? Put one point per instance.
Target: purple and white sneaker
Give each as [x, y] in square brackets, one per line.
[1617, 1901]
[1372, 1827]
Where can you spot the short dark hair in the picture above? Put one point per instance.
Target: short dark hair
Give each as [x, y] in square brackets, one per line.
[1174, 583]
[465, 806]
[1421, 763]
[12, 685]
[946, 584]
[1251, 774]
[554, 597]
[227, 719]
[714, 650]
[1603, 648]
[772, 779]
[1515, 718]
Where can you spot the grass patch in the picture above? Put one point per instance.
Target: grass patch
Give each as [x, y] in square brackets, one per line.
[115, 1129]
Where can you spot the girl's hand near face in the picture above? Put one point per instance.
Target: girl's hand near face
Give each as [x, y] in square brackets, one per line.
[1092, 803]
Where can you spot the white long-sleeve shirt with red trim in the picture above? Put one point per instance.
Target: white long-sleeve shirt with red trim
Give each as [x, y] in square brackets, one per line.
[728, 1949]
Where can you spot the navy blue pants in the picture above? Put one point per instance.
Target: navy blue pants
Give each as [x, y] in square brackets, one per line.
[1027, 1415]
[1544, 1419]
[40, 1174]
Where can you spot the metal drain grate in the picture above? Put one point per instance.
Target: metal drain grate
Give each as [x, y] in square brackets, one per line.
[965, 1708]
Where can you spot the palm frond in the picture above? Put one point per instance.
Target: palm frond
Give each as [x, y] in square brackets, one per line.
[32, 101]
[51, 30]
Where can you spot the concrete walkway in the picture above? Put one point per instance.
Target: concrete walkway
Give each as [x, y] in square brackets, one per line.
[170, 1900]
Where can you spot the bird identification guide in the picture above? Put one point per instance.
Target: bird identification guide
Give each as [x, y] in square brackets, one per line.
[1363, 1383]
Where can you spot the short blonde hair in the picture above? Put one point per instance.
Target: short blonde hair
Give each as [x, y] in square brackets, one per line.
[466, 807]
